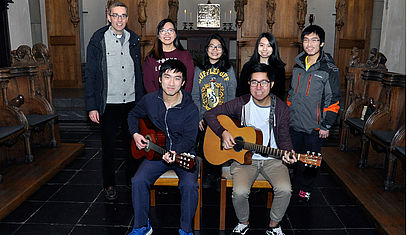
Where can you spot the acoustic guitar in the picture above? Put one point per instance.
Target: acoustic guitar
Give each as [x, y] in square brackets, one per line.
[156, 139]
[248, 140]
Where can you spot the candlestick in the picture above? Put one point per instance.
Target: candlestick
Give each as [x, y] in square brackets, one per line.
[225, 16]
[190, 16]
[185, 13]
[230, 15]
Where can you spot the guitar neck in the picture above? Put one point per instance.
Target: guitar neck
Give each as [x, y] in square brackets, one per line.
[156, 148]
[271, 152]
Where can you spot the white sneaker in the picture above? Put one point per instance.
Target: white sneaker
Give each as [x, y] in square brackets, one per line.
[274, 231]
[240, 229]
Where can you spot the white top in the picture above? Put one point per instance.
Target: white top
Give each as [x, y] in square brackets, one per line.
[259, 118]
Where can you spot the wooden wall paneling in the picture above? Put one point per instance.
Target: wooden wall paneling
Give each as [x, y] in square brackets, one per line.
[64, 42]
[155, 11]
[285, 29]
[356, 16]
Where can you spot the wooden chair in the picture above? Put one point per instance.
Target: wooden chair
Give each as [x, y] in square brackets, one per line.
[352, 119]
[389, 109]
[41, 115]
[170, 178]
[396, 150]
[226, 181]
[13, 124]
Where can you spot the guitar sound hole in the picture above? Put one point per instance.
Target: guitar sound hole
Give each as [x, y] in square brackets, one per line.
[239, 144]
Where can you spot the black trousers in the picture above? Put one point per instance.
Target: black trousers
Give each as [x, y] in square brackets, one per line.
[114, 117]
[303, 142]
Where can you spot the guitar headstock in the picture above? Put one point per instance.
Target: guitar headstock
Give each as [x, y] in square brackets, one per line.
[314, 159]
[186, 161]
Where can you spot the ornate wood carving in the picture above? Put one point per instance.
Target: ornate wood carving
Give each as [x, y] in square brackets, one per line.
[376, 60]
[22, 56]
[41, 54]
[301, 10]
[239, 8]
[142, 15]
[270, 13]
[173, 10]
[354, 61]
[73, 7]
[340, 13]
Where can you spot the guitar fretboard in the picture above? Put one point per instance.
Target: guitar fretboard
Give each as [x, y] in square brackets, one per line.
[156, 148]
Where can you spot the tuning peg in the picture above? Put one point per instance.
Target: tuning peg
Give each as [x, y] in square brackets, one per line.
[308, 152]
[319, 154]
[313, 153]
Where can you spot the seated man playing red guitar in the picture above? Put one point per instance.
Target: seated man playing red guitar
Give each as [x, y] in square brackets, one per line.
[172, 111]
[266, 112]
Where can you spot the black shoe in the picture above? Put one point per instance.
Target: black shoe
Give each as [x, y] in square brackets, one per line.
[110, 193]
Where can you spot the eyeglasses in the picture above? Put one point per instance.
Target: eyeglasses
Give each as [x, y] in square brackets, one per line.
[213, 47]
[164, 31]
[313, 40]
[116, 16]
[263, 83]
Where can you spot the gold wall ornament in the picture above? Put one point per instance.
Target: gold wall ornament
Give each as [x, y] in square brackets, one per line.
[270, 13]
[73, 7]
[340, 13]
[209, 16]
[301, 11]
[173, 10]
[239, 8]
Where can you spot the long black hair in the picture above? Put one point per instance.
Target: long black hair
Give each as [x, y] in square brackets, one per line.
[274, 59]
[157, 51]
[223, 62]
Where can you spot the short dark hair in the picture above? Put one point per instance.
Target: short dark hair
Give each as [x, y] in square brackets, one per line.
[173, 65]
[117, 4]
[262, 68]
[314, 29]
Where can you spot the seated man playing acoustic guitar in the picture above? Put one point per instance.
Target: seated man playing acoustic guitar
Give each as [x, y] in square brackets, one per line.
[173, 112]
[264, 111]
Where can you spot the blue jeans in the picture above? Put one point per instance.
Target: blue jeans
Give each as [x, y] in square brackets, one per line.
[147, 174]
[303, 142]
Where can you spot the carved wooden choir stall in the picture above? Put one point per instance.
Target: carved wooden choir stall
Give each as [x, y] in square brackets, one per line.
[27, 115]
[375, 111]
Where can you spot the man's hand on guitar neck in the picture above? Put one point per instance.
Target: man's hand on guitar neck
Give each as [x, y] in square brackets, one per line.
[140, 141]
[287, 159]
[227, 140]
[168, 157]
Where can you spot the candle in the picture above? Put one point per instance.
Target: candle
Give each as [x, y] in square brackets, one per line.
[185, 14]
[190, 16]
[225, 16]
[230, 16]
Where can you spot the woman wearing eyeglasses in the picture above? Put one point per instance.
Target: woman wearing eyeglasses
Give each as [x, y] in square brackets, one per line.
[266, 52]
[214, 84]
[167, 46]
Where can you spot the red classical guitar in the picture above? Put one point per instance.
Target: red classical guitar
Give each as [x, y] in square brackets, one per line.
[156, 139]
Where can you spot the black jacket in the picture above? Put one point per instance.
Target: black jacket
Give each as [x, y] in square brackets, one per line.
[96, 70]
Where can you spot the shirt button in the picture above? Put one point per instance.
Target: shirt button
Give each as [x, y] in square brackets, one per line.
[122, 53]
[122, 66]
[116, 41]
[125, 94]
[124, 80]
[123, 101]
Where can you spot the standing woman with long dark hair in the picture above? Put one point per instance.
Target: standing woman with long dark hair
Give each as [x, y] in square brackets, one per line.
[167, 46]
[266, 52]
[214, 84]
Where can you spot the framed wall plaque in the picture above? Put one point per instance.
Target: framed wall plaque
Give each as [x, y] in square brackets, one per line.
[209, 16]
